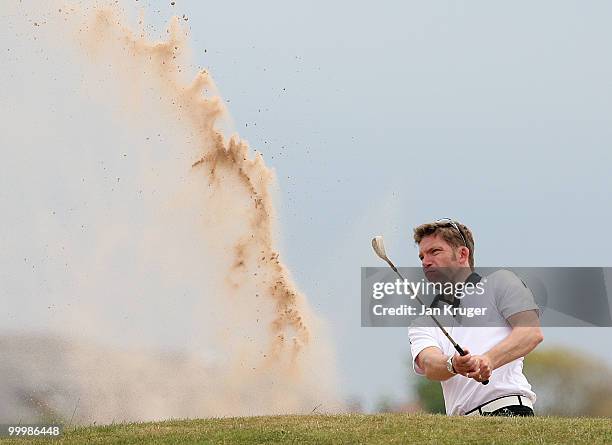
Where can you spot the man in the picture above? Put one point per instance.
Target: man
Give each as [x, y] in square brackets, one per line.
[494, 352]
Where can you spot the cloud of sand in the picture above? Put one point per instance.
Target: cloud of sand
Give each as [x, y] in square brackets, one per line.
[155, 234]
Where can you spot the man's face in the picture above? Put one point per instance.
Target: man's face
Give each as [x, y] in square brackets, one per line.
[439, 259]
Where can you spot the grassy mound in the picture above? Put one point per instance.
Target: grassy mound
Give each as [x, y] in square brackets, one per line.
[349, 429]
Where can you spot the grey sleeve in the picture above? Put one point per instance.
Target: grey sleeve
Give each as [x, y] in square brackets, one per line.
[512, 295]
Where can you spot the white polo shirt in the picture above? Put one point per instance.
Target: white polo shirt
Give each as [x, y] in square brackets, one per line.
[507, 295]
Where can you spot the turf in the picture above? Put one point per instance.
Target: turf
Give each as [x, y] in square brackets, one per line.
[346, 429]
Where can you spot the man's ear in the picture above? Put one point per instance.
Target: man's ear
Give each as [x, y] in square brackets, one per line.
[464, 254]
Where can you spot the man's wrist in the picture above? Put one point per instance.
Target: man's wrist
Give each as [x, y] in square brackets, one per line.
[491, 360]
[450, 367]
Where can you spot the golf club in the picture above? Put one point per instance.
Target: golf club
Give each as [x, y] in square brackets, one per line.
[379, 248]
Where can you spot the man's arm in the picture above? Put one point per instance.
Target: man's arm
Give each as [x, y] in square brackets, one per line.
[433, 362]
[525, 336]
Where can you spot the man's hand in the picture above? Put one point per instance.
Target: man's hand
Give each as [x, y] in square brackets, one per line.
[485, 368]
[466, 364]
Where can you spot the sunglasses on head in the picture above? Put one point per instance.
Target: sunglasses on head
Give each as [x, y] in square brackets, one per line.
[454, 225]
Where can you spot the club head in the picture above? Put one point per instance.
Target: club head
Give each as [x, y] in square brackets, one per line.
[379, 247]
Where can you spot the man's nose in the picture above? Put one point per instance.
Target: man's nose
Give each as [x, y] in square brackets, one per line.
[426, 262]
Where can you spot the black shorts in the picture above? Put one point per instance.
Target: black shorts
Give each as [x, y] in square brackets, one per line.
[512, 410]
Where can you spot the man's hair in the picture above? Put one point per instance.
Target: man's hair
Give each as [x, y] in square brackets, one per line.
[449, 234]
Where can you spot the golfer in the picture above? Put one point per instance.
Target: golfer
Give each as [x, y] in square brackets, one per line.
[494, 352]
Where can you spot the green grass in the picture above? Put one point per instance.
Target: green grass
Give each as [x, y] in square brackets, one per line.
[349, 429]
